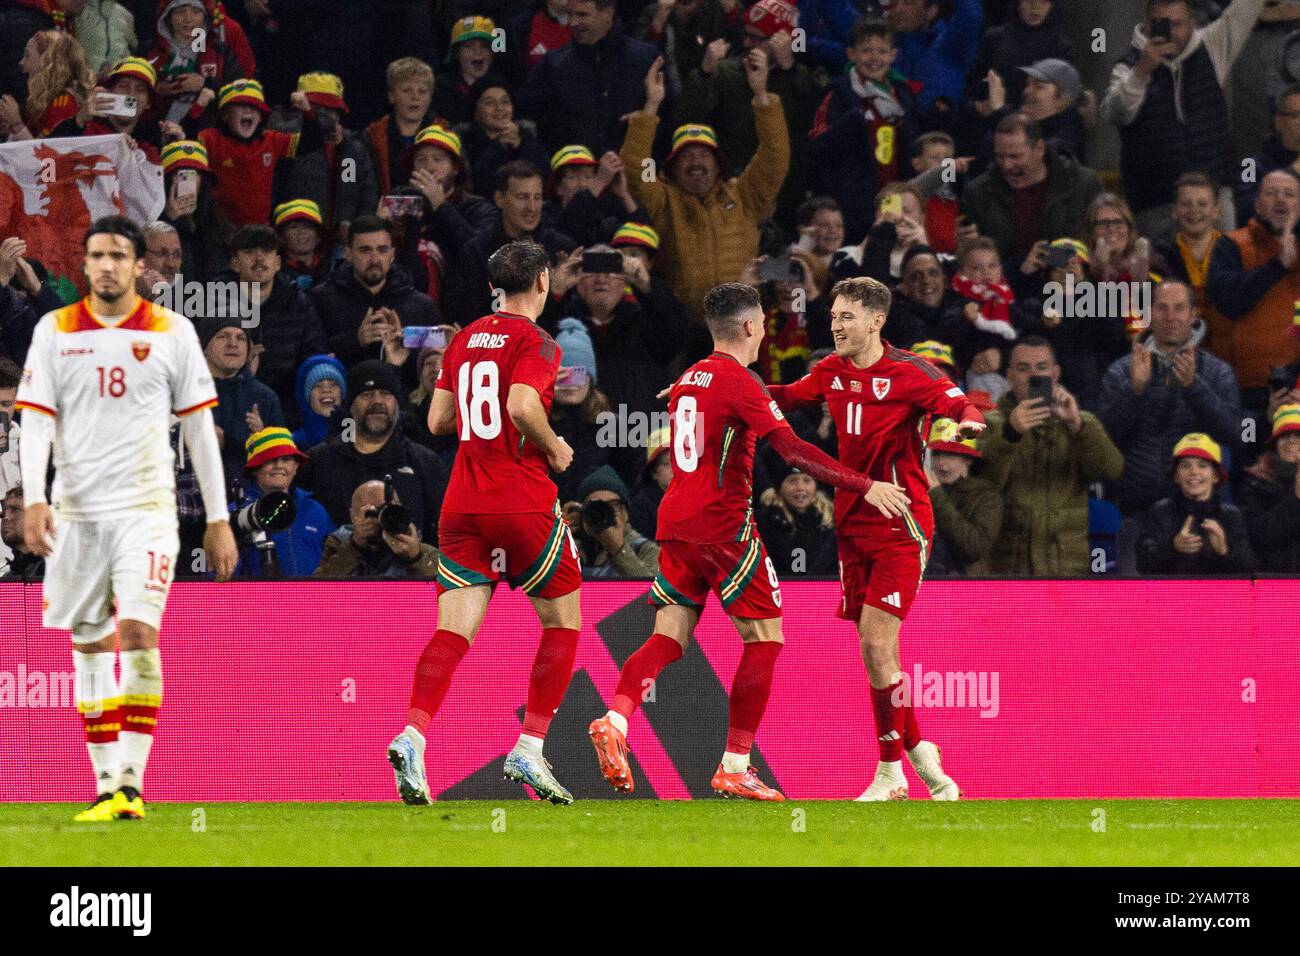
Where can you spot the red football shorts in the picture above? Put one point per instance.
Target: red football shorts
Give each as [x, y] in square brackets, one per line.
[533, 551]
[739, 572]
[881, 572]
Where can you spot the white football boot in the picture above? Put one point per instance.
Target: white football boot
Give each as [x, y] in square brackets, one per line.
[924, 758]
[889, 784]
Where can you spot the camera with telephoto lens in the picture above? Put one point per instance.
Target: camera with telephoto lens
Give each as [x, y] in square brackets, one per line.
[272, 512]
[598, 515]
[393, 518]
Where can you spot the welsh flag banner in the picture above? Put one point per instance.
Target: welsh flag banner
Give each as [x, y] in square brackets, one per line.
[52, 189]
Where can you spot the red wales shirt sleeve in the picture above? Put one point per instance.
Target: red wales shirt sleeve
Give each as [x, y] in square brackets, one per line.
[935, 392]
[536, 362]
[755, 407]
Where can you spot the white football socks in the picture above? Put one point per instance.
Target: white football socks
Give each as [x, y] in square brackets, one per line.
[97, 696]
[618, 720]
[734, 763]
[530, 745]
[141, 686]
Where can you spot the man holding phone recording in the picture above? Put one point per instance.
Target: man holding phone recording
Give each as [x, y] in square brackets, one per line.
[1043, 452]
[1166, 96]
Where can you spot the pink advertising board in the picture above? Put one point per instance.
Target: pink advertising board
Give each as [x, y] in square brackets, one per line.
[1034, 689]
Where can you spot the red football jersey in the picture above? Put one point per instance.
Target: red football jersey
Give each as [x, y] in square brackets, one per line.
[497, 471]
[880, 414]
[245, 171]
[717, 410]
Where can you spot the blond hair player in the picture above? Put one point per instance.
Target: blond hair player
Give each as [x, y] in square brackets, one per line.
[102, 380]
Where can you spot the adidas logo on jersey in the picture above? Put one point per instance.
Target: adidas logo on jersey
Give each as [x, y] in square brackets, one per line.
[836, 386]
[892, 599]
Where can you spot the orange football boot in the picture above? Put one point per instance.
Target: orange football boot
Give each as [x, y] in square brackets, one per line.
[745, 785]
[611, 753]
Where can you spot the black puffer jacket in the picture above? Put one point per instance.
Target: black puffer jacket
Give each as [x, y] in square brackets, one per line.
[342, 301]
[335, 469]
[1272, 508]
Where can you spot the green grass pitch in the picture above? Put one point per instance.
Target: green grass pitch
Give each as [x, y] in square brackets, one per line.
[672, 833]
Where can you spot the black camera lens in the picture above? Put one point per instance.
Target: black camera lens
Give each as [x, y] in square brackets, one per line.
[394, 519]
[598, 515]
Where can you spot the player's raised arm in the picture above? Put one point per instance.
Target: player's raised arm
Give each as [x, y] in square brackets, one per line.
[525, 408]
[804, 392]
[935, 392]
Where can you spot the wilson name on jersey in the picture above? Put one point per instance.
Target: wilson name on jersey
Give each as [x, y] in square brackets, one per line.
[717, 412]
[112, 389]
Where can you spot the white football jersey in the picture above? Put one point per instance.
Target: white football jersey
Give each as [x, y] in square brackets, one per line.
[112, 390]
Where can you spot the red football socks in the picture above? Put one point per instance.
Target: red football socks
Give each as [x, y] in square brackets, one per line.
[749, 692]
[911, 730]
[552, 670]
[644, 665]
[890, 720]
[433, 674]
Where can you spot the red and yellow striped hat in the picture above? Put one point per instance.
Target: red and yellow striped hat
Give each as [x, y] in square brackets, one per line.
[572, 156]
[1201, 445]
[1285, 419]
[636, 234]
[438, 136]
[323, 89]
[693, 134]
[268, 445]
[135, 66]
[242, 93]
[295, 210]
[185, 154]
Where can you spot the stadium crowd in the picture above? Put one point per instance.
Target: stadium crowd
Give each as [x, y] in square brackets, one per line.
[1133, 335]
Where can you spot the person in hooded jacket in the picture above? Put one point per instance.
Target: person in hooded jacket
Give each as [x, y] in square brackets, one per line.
[321, 390]
[190, 74]
[244, 405]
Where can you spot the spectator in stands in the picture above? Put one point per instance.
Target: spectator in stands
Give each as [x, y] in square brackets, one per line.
[899, 226]
[415, 414]
[469, 60]
[581, 92]
[18, 563]
[1164, 389]
[1255, 282]
[927, 307]
[1166, 96]
[1032, 33]
[368, 298]
[301, 230]
[992, 307]
[1270, 496]
[60, 90]
[338, 174]
[643, 510]
[518, 195]
[193, 211]
[1186, 252]
[1030, 191]
[936, 168]
[288, 330]
[374, 447]
[244, 156]
[192, 74]
[1043, 457]
[135, 78]
[361, 549]
[718, 94]
[863, 132]
[936, 53]
[24, 298]
[819, 223]
[272, 464]
[1118, 253]
[684, 31]
[1085, 343]
[496, 136]
[106, 31]
[609, 545]
[10, 431]
[1280, 151]
[162, 258]
[635, 335]
[967, 507]
[797, 317]
[532, 34]
[827, 24]
[245, 405]
[1194, 531]
[708, 223]
[320, 387]
[410, 92]
[1051, 97]
[593, 196]
[796, 521]
[577, 407]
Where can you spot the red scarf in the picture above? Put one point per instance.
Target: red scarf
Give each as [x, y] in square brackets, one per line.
[994, 300]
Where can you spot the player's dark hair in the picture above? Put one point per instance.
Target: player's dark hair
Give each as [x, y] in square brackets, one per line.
[10, 373]
[803, 216]
[515, 266]
[368, 224]
[515, 169]
[725, 306]
[869, 27]
[257, 236]
[870, 293]
[118, 226]
[1033, 342]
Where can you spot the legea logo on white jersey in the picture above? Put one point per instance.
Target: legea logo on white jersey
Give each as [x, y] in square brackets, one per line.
[880, 387]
